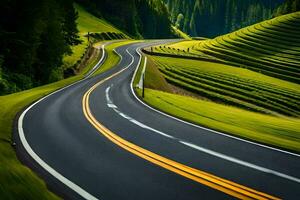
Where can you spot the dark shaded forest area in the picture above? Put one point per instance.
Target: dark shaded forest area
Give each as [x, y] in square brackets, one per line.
[209, 18]
[138, 18]
[287, 7]
[34, 36]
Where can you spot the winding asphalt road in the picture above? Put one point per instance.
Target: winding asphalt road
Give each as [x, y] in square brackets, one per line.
[95, 140]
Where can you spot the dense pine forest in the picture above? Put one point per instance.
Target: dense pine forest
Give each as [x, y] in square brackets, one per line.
[287, 7]
[34, 36]
[210, 18]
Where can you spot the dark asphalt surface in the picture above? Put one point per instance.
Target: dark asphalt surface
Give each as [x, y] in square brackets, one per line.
[57, 131]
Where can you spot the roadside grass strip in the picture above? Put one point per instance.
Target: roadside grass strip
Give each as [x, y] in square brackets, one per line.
[273, 131]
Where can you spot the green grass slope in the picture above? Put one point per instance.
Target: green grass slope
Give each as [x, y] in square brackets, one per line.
[271, 130]
[271, 47]
[89, 23]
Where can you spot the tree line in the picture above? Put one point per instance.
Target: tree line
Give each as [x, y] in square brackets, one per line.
[34, 36]
[288, 6]
[137, 18]
[210, 18]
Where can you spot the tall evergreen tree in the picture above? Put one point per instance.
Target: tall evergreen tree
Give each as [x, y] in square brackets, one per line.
[34, 36]
[70, 15]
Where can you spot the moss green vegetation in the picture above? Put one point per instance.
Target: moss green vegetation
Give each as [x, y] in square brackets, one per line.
[17, 181]
[277, 131]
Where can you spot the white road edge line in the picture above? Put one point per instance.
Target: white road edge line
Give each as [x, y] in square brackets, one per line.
[241, 162]
[195, 125]
[98, 64]
[42, 163]
[204, 150]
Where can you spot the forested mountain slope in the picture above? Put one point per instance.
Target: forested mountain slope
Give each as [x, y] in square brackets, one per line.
[288, 6]
[34, 37]
[138, 18]
[211, 18]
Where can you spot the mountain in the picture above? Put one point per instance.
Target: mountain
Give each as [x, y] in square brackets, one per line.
[138, 18]
[209, 18]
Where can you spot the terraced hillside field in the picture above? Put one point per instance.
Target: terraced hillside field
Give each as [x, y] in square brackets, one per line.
[271, 47]
[232, 86]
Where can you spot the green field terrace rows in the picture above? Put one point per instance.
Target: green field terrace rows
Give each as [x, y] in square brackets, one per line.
[271, 47]
[232, 86]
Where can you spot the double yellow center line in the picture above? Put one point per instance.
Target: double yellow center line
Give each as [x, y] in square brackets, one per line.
[199, 176]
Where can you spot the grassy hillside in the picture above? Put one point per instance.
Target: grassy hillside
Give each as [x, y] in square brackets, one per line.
[271, 47]
[233, 86]
[89, 23]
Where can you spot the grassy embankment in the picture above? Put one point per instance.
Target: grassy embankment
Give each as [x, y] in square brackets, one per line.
[239, 101]
[17, 181]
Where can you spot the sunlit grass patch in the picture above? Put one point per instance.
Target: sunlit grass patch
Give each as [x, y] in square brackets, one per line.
[276, 131]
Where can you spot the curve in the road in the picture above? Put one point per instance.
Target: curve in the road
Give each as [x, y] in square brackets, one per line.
[61, 133]
[204, 178]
